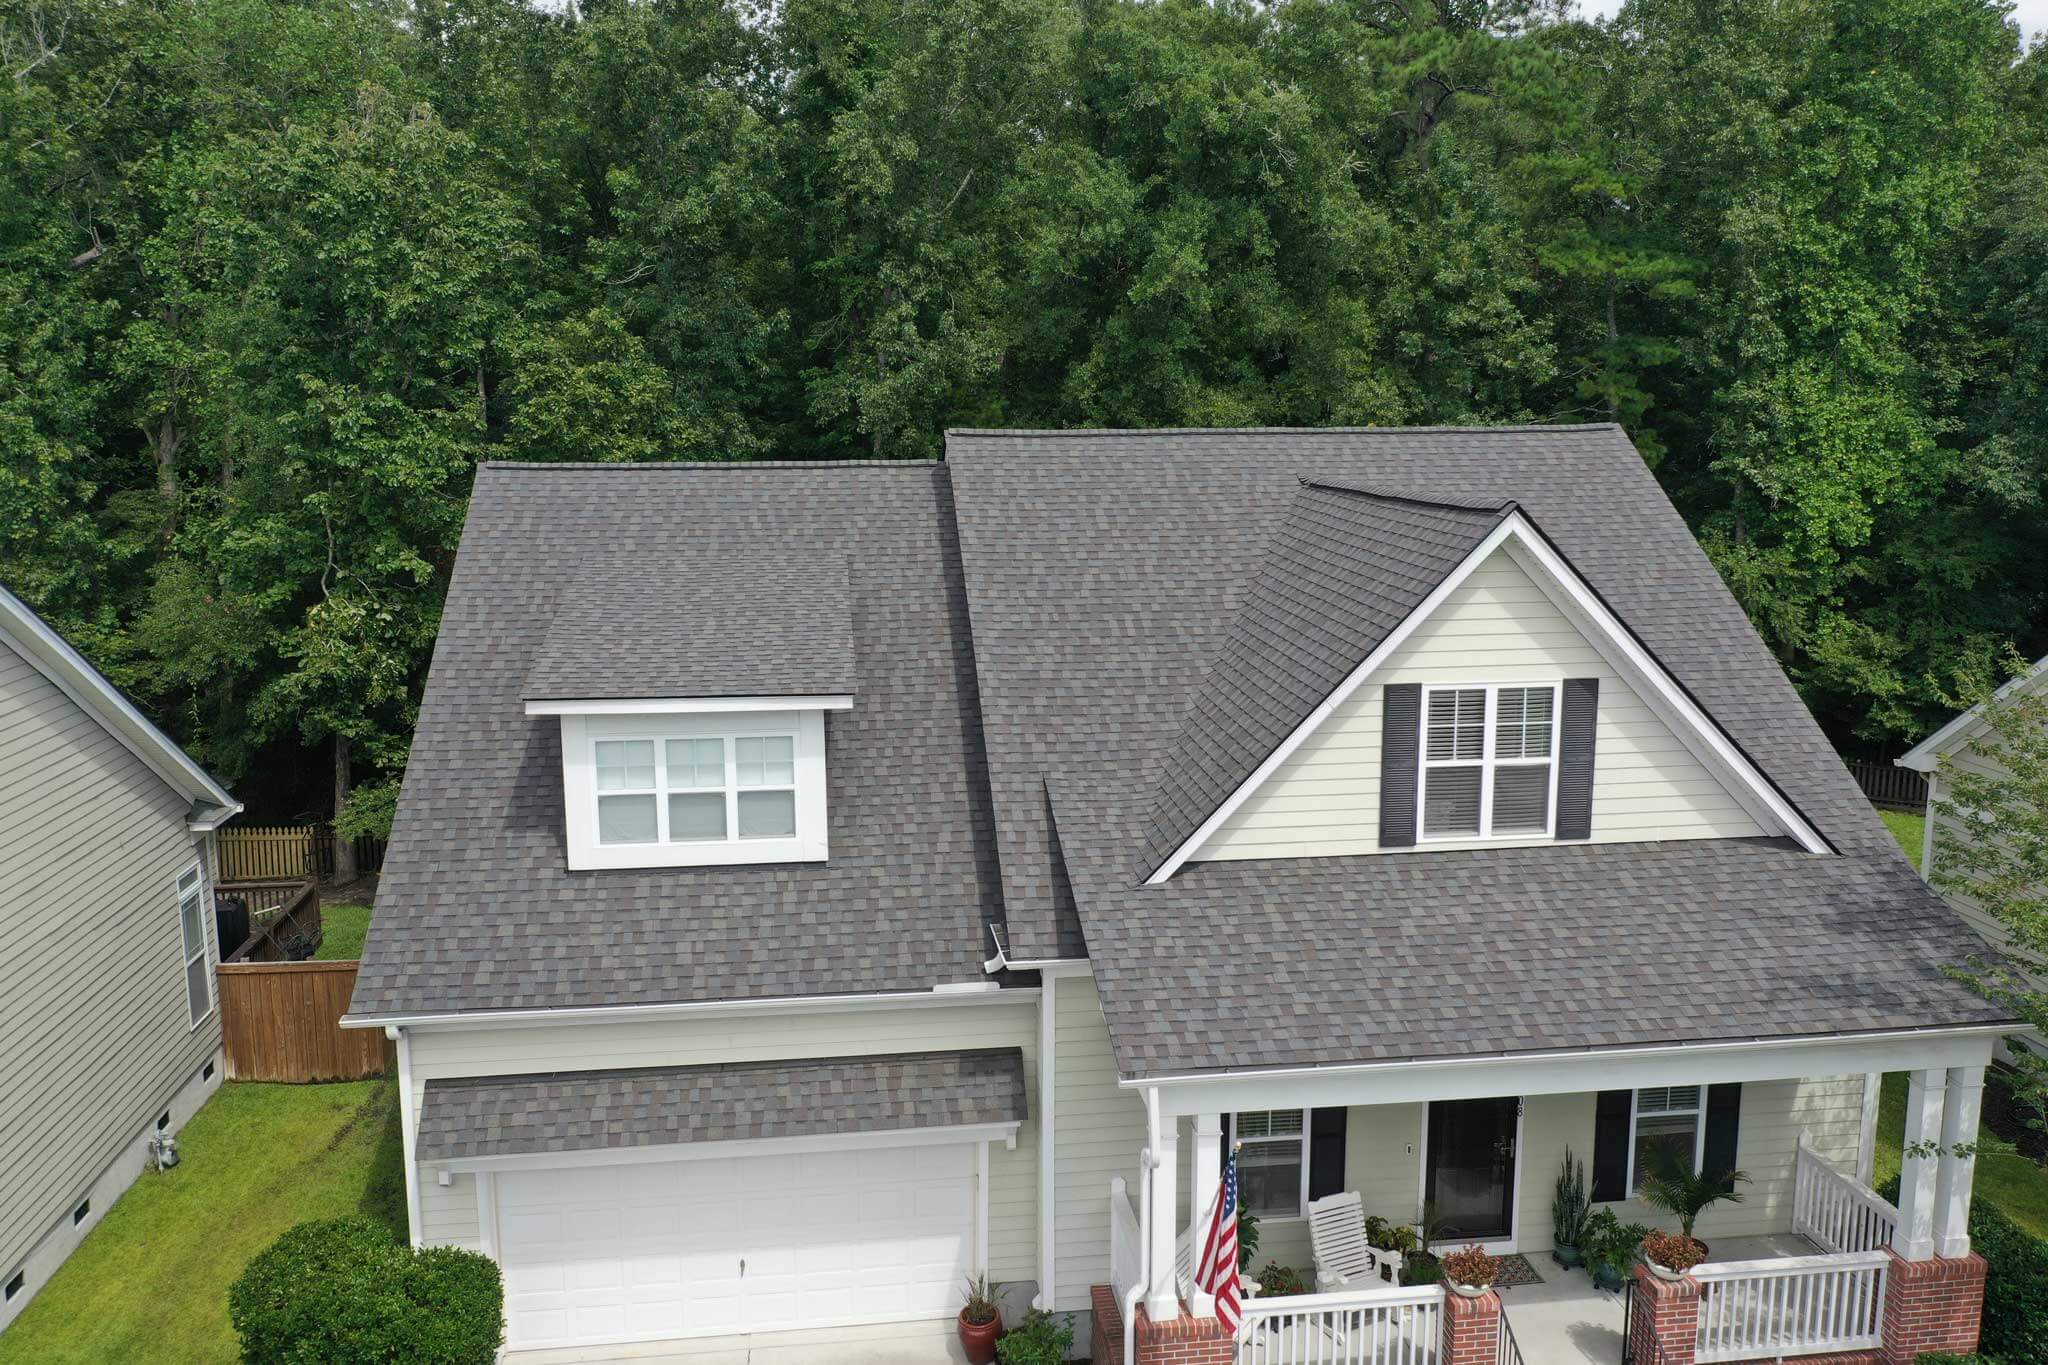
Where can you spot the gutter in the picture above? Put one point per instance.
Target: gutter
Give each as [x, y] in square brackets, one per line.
[949, 994]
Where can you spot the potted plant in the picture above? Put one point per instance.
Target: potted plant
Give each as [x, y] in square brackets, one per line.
[1672, 1185]
[1568, 1209]
[1278, 1281]
[1041, 1339]
[1471, 1272]
[1609, 1246]
[981, 1322]
[1669, 1254]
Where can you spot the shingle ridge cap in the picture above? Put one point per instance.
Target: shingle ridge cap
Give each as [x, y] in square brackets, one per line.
[1070, 432]
[636, 465]
[1388, 493]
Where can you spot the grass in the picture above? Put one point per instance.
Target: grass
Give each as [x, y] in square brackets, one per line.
[2004, 1177]
[1909, 829]
[151, 1281]
[343, 928]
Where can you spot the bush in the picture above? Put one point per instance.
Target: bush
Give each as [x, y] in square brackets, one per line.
[1277, 1281]
[1041, 1339]
[2016, 1281]
[347, 1292]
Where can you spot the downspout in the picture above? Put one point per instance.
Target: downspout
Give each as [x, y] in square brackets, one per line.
[1048, 1191]
[1146, 1162]
[407, 1120]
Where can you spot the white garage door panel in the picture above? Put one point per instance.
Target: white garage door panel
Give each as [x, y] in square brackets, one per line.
[764, 1243]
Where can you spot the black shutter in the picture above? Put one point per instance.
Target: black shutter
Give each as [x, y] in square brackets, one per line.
[1400, 745]
[1575, 758]
[1610, 1145]
[1325, 1152]
[1724, 1123]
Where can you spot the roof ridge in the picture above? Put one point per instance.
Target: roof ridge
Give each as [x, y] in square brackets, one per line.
[536, 465]
[1277, 431]
[1384, 493]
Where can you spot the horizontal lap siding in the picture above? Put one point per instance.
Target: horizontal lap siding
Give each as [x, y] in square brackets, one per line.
[1101, 1130]
[448, 1213]
[95, 1036]
[1498, 627]
[1947, 833]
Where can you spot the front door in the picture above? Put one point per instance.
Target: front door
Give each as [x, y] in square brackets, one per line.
[1471, 1176]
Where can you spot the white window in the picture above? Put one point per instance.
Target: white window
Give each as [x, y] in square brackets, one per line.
[192, 911]
[1667, 1118]
[687, 790]
[1272, 1161]
[1489, 762]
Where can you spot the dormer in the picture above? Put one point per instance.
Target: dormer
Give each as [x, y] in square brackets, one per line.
[693, 716]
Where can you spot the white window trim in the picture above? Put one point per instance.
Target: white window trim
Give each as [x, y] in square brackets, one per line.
[185, 960]
[1699, 1132]
[1279, 1140]
[1487, 762]
[579, 790]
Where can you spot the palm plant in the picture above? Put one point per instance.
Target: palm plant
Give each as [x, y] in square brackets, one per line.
[1673, 1186]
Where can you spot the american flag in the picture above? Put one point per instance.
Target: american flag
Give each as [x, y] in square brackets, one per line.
[1217, 1271]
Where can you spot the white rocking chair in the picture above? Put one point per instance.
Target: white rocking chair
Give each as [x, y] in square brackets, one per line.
[1344, 1260]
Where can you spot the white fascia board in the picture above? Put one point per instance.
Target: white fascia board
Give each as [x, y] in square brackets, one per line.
[214, 818]
[685, 706]
[1615, 641]
[1926, 756]
[459, 1020]
[1456, 1078]
[31, 637]
[721, 1151]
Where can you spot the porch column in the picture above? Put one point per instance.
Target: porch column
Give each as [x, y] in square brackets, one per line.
[1955, 1174]
[1918, 1164]
[1205, 1176]
[1162, 1297]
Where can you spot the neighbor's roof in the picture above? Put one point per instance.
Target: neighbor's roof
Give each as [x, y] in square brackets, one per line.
[684, 624]
[584, 1111]
[31, 637]
[1107, 573]
[1928, 753]
[478, 910]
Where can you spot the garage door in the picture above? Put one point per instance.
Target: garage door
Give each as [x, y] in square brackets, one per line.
[763, 1243]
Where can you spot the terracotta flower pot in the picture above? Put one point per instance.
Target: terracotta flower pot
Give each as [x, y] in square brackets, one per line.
[978, 1339]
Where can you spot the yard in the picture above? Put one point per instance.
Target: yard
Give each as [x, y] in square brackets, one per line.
[151, 1281]
[342, 930]
[1908, 828]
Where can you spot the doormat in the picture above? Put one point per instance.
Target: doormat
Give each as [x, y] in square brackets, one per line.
[1515, 1271]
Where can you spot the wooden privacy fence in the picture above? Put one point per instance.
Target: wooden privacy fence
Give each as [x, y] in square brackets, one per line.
[280, 1021]
[1888, 787]
[250, 853]
[283, 919]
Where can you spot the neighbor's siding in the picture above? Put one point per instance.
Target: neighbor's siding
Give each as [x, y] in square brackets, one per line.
[1498, 627]
[1100, 1131]
[95, 1035]
[448, 1213]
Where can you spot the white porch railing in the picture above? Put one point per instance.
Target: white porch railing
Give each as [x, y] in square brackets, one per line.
[1126, 1243]
[1797, 1306]
[1356, 1327]
[1834, 1212]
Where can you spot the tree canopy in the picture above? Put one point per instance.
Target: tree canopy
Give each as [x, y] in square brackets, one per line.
[279, 273]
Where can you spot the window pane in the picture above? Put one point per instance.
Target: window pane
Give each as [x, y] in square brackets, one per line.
[625, 819]
[1660, 1099]
[1522, 723]
[1267, 1123]
[1269, 1177]
[698, 816]
[1673, 1133]
[767, 815]
[625, 765]
[189, 925]
[195, 988]
[1457, 724]
[188, 881]
[1521, 799]
[1450, 801]
[696, 763]
[765, 761]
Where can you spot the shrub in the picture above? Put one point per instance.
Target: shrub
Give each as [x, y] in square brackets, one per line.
[347, 1292]
[1277, 1281]
[2016, 1281]
[1041, 1339]
[1945, 1358]
[1472, 1266]
[1673, 1251]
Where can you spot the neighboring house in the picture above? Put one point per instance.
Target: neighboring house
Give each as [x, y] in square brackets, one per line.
[814, 883]
[109, 1028]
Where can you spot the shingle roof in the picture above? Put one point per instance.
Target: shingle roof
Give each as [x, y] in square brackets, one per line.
[685, 625]
[1346, 566]
[581, 1111]
[477, 909]
[1106, 572]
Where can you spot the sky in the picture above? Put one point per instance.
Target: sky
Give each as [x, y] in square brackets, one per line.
[2032, 15]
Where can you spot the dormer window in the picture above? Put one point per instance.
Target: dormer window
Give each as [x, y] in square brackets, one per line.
[1489, 761]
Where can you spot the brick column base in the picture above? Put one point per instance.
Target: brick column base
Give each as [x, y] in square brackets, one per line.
[1935, 1305]
[1106, 1343]
[1184, 1340]
[1471, 1329]
[1664, 1318]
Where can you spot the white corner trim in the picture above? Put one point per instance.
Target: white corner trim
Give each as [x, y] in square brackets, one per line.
[52, 655]
[1925, 756]
[458, 1020]
[685, 706]
[1616, 641]
[981, 1133]
[408, 1129]
[1048, 1137]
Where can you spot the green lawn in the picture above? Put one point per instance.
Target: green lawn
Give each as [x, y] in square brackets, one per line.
[1910, 830]
[342, 930]
[151, 1281]
[2009, 1180]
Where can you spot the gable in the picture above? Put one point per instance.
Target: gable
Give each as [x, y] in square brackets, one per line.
[1498, 626]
